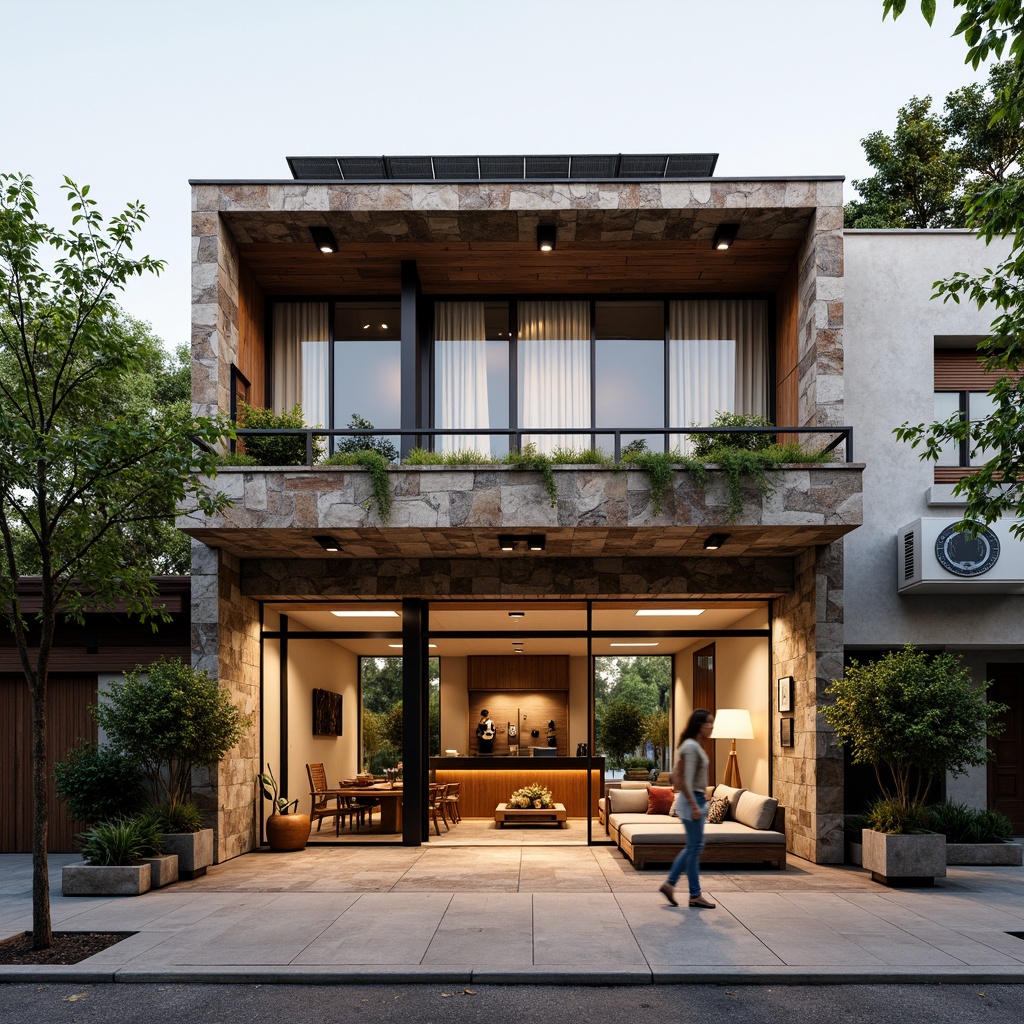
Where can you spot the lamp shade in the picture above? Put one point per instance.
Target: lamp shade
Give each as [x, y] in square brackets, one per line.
[732, 724]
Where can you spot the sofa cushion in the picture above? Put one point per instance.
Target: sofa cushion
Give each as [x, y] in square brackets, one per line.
[718, 809]
[626, 800]
[663, 831]
[634, 784]
[732, 795]
[659, 800]
[755, 810]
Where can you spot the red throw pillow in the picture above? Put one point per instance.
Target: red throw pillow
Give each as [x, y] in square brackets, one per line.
[659, 800]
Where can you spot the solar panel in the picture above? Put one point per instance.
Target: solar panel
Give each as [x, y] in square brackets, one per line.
[456, 168]
[501, 167]
[691, 165]
[593, 166]
[406, 167]
[362, 167]
[547, 167]
[643, 166]
[314, 167]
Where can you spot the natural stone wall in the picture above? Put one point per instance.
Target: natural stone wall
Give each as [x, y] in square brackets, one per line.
[820, 318]
[575, 578]
[225, 642]
[807, 643]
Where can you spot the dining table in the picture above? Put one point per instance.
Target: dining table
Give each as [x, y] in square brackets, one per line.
[390, 802]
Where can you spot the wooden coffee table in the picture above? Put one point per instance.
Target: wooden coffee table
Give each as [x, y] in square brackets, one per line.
[505, 815]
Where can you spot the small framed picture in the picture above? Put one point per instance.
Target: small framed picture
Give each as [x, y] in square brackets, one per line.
[786, 693]
[785, 732]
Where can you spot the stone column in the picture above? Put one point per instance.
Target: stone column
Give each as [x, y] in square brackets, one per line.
[225, 642]
[807, 643]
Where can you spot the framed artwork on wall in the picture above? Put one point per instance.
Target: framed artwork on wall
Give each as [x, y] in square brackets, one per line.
[785, 732]
[786, 693]
[327, 713]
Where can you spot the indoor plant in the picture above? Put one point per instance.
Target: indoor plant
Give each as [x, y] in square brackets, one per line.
[286, 830]
[912, 716]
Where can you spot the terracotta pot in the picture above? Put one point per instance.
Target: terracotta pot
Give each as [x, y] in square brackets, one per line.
[287, 831]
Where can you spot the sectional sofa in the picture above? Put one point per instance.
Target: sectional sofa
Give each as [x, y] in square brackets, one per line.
[754, 829]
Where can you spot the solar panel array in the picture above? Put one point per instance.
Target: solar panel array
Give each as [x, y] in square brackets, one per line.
[594, 167]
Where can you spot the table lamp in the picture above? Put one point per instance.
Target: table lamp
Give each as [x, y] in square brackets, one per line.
[732, 724]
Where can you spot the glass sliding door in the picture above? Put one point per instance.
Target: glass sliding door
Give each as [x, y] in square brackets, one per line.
[299, 360]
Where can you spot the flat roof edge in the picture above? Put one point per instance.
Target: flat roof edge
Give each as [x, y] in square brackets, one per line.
[347, 183]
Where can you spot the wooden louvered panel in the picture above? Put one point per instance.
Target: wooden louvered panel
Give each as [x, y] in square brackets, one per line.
[251, 352]
[68, 720]
[961, 370]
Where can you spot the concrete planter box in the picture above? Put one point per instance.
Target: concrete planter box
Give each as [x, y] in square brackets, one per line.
[854, 853]
[163, 870]
[105, 880]
[986, 854]
[904, 860]
[194, 850]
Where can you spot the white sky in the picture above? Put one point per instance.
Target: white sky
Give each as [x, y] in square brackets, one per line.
[134, 97]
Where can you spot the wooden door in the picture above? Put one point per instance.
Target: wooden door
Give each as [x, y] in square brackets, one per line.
[68, 720]
[704, 697]
[1006, 772]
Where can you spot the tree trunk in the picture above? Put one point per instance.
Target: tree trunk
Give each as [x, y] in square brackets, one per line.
[42, 933]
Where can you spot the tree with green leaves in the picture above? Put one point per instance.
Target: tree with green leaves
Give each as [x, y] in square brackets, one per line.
[990, 28]
[917, 179]
[83, 462]
[620, 730]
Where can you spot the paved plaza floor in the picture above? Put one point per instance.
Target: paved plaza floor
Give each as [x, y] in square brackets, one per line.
[528, 913]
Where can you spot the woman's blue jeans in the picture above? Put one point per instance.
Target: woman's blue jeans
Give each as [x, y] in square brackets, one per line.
[688, 859]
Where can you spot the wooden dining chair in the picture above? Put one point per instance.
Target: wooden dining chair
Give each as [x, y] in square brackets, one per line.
[451, 800]
[435, 798]
[320, 805]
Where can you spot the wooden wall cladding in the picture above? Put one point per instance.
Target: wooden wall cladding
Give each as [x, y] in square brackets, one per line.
[482, 791]
[535, 708]
[252, 357]
[787, 356]
[68, 698]
[960, 369]
[518, 672]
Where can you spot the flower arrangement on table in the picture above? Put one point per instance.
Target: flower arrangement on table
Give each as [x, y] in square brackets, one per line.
[534, 795]
[392, 775]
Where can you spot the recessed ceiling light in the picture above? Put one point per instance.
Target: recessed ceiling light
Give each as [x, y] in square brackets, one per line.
[670, 611]
[634, 645]
[715, 541]
[323, 239]
[516, 615]
[398, 647]
[366, 615]
[327, 543]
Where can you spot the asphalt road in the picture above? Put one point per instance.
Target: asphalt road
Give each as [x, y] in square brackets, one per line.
[509, 1004]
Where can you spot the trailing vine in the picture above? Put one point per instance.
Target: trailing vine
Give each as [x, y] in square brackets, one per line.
[658, 467]
[377, 466]
[530, 458]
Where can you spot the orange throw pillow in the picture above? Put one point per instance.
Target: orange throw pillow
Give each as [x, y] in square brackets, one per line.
[659, 800]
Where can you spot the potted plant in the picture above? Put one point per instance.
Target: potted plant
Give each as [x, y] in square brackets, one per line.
[170, 718]
[913, 717]
[286, 830]
[976, 836]
[115, 859]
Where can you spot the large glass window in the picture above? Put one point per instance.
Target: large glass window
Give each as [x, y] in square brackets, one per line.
[367, 364]
[471, 368]
[973, 406]
[629, 370]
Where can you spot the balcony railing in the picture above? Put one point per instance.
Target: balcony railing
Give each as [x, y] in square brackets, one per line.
[427, 438]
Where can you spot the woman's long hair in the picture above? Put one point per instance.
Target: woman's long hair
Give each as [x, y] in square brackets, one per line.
[693, 726]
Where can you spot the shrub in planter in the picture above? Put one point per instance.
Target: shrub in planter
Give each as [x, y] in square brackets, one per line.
[98, 783]
[911, 715]
[962, 824]
[120, 842]
[277, 449]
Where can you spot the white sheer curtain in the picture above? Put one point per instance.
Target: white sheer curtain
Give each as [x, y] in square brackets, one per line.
[460, 375]
[300, 360]
[718, 361]
[554, 371]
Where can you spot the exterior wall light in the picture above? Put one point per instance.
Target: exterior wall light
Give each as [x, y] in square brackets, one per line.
[510, 541]
[547, 236]
[725, 235]
[327, 543]
[324, 239]
[715, 541]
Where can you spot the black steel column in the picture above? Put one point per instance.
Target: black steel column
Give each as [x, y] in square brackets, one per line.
[412, 411]
[415, 724]
[282, 678]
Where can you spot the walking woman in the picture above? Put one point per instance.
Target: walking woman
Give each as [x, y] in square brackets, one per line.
[690, 780]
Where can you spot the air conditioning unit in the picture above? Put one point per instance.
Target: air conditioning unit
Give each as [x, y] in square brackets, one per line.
[932, 558]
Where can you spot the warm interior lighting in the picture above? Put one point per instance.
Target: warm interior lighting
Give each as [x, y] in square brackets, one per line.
[715, 541]
[732, 724]
[670, 611]
[365, 615]
[324, 239]
[327, 543]
[398, 647]
[725, 235]
[510, 541]
[547, 236]
[516, 615]
[635, 645]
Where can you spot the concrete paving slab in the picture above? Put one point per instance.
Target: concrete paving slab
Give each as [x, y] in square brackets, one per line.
[380, 928]
[572, 931]
[485, 929]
